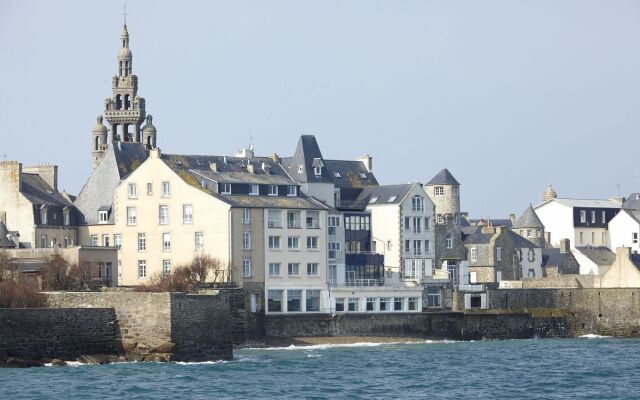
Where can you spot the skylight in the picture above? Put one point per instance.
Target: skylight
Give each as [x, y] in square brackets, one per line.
[373, 200]
[337, 174]
[392, 199]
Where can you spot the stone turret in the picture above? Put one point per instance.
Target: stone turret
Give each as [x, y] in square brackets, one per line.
[530, 227]
[149, 133]
[99, 143]
[550, 194]
[444, 190]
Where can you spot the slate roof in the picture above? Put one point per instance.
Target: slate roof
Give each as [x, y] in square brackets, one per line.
[587, 203]
[306, 152]
[37, 191]
[443, 177]
[635, 214]
[519, 241]
[119, 160]
[350, 174]
[635, 259]
[4, 240]
[478, 238]
[196, 171]
[385, 194]
[490, 222]
[632, 202]
[529, 219]
[565, 262]
[600, 255]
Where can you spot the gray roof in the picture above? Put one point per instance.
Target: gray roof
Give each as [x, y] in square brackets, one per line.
[443, 177]
[4, 239]
[519, 241]
[385, 194]
[490, 222]
[588, 203]
[478, 238]
[119, 160]
[632, 202]
[565, 262]
[529, 219]
[307, 155]
[635, 259]
[196, 171]
[599, 255]
[37, 191]
[350, 174]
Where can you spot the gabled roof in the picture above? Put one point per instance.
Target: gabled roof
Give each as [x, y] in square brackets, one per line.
[443, 177]
[632, 202]
[600, 255]
[529, 219]
[306, 155]
[382, 195]
[196, 171]
[634, 214]
[37, 191]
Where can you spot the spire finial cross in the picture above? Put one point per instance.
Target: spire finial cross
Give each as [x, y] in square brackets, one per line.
[124, 14]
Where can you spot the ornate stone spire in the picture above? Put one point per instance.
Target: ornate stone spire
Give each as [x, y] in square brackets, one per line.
[549, 193]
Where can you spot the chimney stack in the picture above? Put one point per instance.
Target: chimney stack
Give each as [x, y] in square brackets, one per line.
[512, 218]
[48, 173]
[367, 160]
[565, 245]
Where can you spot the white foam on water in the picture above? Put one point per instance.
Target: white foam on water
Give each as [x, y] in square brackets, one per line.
[593, 336]
[200, 362]
[357, 344]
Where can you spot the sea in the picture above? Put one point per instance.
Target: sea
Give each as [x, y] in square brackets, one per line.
[591, 367]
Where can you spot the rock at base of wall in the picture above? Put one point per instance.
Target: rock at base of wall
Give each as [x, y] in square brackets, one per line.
[56, 362]
[14, 362]
[166, 347]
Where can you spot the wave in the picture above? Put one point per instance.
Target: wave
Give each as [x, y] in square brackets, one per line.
[593, 336]
[343, 345]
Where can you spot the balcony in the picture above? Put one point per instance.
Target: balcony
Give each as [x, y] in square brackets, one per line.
[471, 288]
[363, 258]
[358, 283]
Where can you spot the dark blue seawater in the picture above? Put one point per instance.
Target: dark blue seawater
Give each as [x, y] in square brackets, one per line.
[597, 368]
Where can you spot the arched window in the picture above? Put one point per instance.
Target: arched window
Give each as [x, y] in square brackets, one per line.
[118, 102]
[97, 142]
[126, 101]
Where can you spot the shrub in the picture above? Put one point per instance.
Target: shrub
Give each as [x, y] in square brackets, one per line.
[203, 269]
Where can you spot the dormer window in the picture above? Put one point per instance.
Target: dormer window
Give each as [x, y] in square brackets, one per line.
[273, 190]
[43, 215]
[292, 190]
[300, 169]
[254, 190]
[318, 170]
[66, 216]
[225, 188]
[103, 217]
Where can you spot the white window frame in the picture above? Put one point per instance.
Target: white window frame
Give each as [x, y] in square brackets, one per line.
[198, 239]
[166, 241]
[225, 188]
[132, 190]
[166, 189]
[142, 242]
[272, 190]
[246, 216]
[275, 269]
[187, 214]
[474, 254]
[312, 242]
[103, 217]
[142, 269]
[246, 240]
[246, 268]
[254, 190]
[438, 191]
[293, 269]
[132, 218]
[166, 267]
[163, 217]
[313, 269]
[274, 242]
[292, 191]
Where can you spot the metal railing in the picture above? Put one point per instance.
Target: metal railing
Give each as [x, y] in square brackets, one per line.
[471, 288]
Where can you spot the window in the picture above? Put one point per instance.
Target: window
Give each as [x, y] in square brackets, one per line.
[187, 214]
[273, 190]
[407, 246]
[337, 175]
[439, 190]
[433, 297]
[163, 215]
[398, 303]
[634, 237]
[294, 300]
[604, 214]
[407, 223]
[449, 242]
[334, 249]
[166, 242]
[274, 269]
[417, 204]
[417, 247]
[312, 242]
[427, 246]
[300, 169]
[246, 240]
[312, 269]
[142, 242]
[105, 240]
[593, 238]
[293, 269]
[117, 240]
[254, 190]
[142, 269]
[103, 217]
[593, 216]
[246, 267]
[499, 253]
[385, 304]
[149, 189]
[293, 219]
[583, 216]
[225, 188]
[313, 220]
[132, 191]
[66, 241]
[370, 304]
[131, 216]
[440, 219]
[199, 241]
[353, 304]
[426, 224]
[274, 300]
[473, 277]
[528, 233]
[166, 189]
[292, 190]
[274, 219]
[340, 304]
[274, 242]
[581, 237]
[43, 216]
[412, 304]
[246, 216]
[474, 254]
[334, 220]
[373, 200]
[417, 225]
[318, 170]
[166, 267]
[392, 199]
[293, 242]
[66, 216]
[94, 241]
[313, 300]
[455, 191]
[531, 255]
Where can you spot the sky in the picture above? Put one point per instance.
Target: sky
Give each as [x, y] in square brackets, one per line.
[508, 95]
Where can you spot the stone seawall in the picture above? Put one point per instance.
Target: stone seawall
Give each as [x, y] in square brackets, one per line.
[57, 333]
[191, 327]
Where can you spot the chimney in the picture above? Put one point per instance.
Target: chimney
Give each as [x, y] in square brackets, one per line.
[367, 160]
[213, 166]
[154, 153]
[275, 158]
[512, 218]
[48, 173]
[565, 245]
[623, 253]
[618, 200]
[250, 168]
[488, 230]
[10, 175]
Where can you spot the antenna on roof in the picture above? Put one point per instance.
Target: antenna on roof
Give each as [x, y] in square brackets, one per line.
[4, 157]
[124, 14]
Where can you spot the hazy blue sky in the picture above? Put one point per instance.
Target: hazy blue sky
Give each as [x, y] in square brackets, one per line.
[509, 95]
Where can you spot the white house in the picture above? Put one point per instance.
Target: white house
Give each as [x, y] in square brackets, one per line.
[624, 229]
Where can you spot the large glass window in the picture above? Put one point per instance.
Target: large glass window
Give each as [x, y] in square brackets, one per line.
[313, 300]
[398, 303]
[274, 218]
[385, 304]
[340, 304]
[433, 297]
[274, 300]
[353, 304]
[293, 219]
[313, 220]
[294, 300]
[412, 304]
